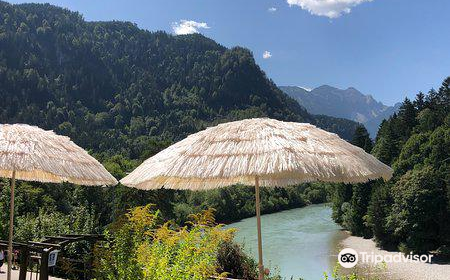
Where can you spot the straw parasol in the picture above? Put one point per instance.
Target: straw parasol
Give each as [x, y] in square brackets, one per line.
[33, 154]
[257, 152]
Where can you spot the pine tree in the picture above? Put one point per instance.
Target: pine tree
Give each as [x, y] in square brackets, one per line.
[362, 139]
[419, 103]
[386, 148]
[407, 115]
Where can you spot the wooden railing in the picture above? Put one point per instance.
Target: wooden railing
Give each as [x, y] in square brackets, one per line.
[41, 251]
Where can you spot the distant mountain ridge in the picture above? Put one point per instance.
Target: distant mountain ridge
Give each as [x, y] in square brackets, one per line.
[347, 103]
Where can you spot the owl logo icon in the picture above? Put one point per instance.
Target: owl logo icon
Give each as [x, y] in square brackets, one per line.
[348, 258]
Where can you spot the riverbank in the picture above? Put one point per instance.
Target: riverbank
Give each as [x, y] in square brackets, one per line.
[398, 271]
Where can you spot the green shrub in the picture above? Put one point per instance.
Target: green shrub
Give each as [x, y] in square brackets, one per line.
[141, 246]
[419, 211]
[233, 260]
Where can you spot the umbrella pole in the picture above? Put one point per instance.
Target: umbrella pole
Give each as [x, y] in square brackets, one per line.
[11, 225]
[258, 225]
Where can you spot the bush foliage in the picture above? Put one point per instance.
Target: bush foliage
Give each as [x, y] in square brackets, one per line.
[142, 246]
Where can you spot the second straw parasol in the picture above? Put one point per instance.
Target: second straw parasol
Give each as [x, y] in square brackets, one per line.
[257, 152]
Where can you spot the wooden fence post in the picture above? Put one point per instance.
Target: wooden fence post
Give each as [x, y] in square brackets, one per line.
[23, 263]
[43, 273]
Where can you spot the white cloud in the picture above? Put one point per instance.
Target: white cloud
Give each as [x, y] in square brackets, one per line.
[188, 27]
[327, 8]
[272, 9]
[267, 55]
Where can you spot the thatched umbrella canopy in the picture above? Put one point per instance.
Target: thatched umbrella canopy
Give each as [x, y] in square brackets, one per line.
[259, 152]
[33, 154]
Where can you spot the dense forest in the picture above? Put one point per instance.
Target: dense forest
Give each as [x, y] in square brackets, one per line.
[97, 81]
[124, 94]
[412, 210]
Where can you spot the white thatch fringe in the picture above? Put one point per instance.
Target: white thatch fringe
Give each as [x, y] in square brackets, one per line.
[39, 155]
[279, 153]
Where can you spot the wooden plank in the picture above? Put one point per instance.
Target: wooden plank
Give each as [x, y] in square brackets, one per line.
[23, 263]
[43, 244]
[43, 272]
[63, 238]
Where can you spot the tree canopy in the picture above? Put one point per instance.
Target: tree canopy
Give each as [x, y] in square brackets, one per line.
[114, 88]
[410, 211]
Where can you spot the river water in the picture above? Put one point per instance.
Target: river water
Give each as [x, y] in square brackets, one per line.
[297, 243]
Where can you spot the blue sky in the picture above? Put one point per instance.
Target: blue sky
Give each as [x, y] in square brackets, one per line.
[387, 48]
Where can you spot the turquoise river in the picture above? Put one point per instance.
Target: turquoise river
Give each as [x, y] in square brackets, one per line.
[298, 243]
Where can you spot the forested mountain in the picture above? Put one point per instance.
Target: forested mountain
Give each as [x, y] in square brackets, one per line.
[412, 210]
[125, 93]
[349, 103]
[113, 87]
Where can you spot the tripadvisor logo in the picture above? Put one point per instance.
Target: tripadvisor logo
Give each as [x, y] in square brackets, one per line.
[348, 258]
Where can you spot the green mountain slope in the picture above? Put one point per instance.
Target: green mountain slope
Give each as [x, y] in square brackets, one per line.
[113, 87]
